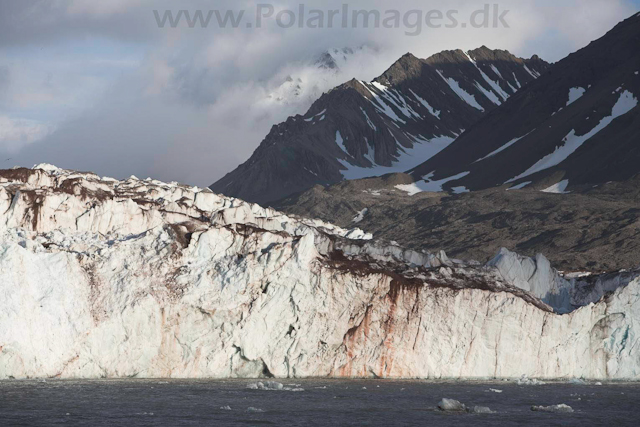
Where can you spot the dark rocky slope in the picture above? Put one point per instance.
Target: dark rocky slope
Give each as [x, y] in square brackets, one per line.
[359, 129]
[578, 124]
[595, 230]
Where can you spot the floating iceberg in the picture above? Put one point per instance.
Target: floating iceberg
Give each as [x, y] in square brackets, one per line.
[562, 408]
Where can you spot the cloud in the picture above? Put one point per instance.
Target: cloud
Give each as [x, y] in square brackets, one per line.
[4, 82]
[15, 134]
[101, 8]
[190, 104]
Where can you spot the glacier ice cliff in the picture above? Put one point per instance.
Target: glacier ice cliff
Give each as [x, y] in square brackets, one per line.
[564, 293]
[102, 278]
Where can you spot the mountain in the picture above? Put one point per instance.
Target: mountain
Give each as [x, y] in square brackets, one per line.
[576, 126]
[103, 278]
[306, 82]
[589, 230]
[408, 114]
[335, 59]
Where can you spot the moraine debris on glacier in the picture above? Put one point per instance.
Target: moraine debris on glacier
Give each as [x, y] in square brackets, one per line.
[102, 278]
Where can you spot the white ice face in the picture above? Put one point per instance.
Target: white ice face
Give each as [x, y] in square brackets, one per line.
[138, 278]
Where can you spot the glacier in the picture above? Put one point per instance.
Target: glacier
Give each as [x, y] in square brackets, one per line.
[101, 278]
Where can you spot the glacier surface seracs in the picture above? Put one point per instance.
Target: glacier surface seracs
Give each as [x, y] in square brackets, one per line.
[101, 278]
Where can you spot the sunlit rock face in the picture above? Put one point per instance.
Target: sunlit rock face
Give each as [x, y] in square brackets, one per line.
[102, 278]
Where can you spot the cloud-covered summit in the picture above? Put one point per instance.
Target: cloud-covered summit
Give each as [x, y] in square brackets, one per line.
[97, 85]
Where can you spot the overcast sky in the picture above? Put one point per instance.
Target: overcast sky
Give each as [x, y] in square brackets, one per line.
[98, 85]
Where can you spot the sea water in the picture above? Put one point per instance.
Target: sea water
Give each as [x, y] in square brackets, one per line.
[309, 403]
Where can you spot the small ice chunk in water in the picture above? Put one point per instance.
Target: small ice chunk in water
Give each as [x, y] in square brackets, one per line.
[226, 408]
[529, 381]
[267, 385]
[493, 390]
[481, 410]
[252, 409]
[562, 408]
[451, 405]
[273, 385]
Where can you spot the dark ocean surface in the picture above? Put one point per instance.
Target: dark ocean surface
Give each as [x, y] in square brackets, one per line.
[322, 403]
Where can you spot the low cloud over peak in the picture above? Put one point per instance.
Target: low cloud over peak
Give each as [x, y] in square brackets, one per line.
[98, 85]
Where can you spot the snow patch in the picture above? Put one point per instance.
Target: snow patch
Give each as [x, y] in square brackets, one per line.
[460, 190]
[321, 113]
[371, 125]
[408, 158]
[410, 189]
[490, 95]
[572, 142]
[495, 86]
[405, 107]
[382, 106]
[534, 74]
[504, 147]
[430, 186]
[394, 97]
[575, 93]
[428, 106]
[48, 168]
[495, 70]
[340, 142]
[464, 95]
[358, 218]
[517, 81]
[519, 186]
[558, 188]
[311, 172]
[371, 152]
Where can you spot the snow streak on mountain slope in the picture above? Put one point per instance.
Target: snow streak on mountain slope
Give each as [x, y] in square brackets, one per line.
[408, 114]
[102, 279]
[580, 120]
[572, 142]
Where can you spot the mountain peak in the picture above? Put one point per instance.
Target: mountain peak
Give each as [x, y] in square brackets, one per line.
[576, 126]
[407, 67]
[456, 56]
[362, 129]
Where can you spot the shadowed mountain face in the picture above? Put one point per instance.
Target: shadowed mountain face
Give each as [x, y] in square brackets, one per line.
[359, 129]
[576, 126]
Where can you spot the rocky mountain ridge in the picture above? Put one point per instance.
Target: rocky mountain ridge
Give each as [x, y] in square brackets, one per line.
[575, 127]
[408, 114]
